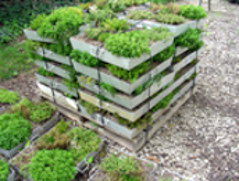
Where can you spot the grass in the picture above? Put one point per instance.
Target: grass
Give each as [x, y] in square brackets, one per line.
[14, 59]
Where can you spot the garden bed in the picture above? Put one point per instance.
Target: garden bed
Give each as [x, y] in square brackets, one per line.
[83, 159]
[126, 63]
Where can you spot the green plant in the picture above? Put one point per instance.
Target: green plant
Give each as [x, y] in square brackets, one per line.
[90, 108]
[70, 84]
[115, 25]
[131, 75]
[165, 101]
[140, 14]
[14, 129]
[165, 54]
[36, 23]
[61, 24]
[108, 88]
[144, 120]
[193, 12]
[82, 142]
[60, 48]
[44, 72]
[4, 170]
[120, 168]
[84, 58]
[56, 138]
[8, 97]
[190, 39]
[40, 112]
[52, 165]
[170, 18]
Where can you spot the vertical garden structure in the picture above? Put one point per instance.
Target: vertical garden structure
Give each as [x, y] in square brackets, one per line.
[126, 66]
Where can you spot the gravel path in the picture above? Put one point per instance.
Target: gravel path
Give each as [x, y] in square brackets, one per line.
[201, 142]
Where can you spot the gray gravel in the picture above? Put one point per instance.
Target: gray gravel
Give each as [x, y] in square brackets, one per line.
[201, 142]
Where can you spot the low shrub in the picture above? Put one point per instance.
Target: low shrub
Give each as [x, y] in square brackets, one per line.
[8, 97]
[14, 129]
[52, 165]
[193, 12]
[4, 170]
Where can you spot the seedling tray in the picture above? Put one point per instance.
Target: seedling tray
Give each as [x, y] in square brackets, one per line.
[53, 56]
[141, 110]
[56, 85]
[61, 72]
[123, 62]
[35, 134]
[33, 35]
[120, 84]
[132, 101]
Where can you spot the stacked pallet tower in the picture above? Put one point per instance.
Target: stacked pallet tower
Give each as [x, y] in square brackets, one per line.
[138, 108]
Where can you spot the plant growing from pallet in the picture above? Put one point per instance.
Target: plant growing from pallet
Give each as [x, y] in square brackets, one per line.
[65, 150]
[6, 173]
[8, 97]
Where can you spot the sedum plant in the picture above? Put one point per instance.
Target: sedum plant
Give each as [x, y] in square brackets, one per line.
[115, 24]
[14, 129]
[8, 97]
[61, 24]
[52, 165]
[190, 39]
[169, 18]
[193, 12]
[117, 168]
[4, 170]
[84, 58]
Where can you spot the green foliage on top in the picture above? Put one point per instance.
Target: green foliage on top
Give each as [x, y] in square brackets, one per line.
[36, 23]
[14, 60]
[137, 124]
[82, 142]
[140, 14]
[165, 101]
[134, 43]
[14, 129]
[165, 54]
[190, 39]
[131, 75]
[115, 24]
[8, 97]
[193, 12]
[44, 72]
[84, 58]
[61, 24]
[52, 165]
[108, 88]
[4, 170]
[120, 168]
[170, 18]
[41, 112]
[36, 112]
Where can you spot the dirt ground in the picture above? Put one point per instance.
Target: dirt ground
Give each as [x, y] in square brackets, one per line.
[201, 142]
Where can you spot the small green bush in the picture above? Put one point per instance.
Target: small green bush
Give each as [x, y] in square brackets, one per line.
[115, 25]
[40, 112]
[14, 129]
[120, 168]
[61, 24]
[84, 58]
[193, 12]
[140, 14]
[36, 23]
[52, 165]
[8, 97]
[190, 39]
[4, 170]
[170, 18]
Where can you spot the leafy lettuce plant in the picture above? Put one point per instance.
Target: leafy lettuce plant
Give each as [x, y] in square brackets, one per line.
[8, 97]
[190, 39]
[52, 165]
[84, 58]
[193, 12]
[61, 24]
[4, 170]
[14, 129]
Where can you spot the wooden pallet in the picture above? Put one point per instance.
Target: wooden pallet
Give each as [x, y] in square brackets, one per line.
[135, 143]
